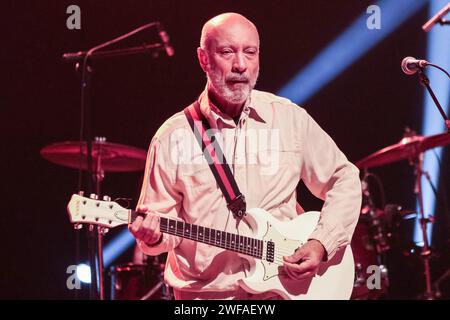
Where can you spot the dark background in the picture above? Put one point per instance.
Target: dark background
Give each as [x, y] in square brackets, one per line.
[364, 109]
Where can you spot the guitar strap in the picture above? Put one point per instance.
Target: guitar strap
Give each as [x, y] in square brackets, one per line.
[216, 160]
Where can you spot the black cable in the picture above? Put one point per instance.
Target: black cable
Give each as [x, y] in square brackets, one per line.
[440, 68]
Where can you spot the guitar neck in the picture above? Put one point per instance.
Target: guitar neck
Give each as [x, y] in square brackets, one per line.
[221, 239]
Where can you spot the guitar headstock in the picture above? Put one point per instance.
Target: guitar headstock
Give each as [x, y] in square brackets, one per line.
[93, 211]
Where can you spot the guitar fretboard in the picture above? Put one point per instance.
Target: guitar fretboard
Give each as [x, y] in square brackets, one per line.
[230, 241]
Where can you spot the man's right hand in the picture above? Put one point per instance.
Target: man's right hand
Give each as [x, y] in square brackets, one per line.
[146, 229]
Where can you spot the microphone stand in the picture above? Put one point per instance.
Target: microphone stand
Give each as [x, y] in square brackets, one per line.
[95, 237]
[418, 164]
[425, 81]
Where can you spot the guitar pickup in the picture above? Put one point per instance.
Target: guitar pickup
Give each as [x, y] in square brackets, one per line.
[270, 251]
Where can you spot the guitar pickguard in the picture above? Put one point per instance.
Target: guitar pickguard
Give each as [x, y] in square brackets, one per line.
[283, 246]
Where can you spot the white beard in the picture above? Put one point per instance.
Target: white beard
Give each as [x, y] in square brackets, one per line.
[238, 95]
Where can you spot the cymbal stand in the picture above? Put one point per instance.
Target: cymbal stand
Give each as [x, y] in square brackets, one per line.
[98, 176]
[95, 238]
[86, 134]
[426, 252]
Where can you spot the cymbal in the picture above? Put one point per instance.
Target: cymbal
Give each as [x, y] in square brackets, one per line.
[111, 157]
[407, 148]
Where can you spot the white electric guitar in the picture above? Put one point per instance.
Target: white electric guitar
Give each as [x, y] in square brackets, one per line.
[264, 249]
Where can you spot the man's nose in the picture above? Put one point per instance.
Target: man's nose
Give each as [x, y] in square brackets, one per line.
[239, 63]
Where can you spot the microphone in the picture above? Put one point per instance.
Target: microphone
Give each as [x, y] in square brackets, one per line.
[411, 65]
[166, 43]
[436, 18]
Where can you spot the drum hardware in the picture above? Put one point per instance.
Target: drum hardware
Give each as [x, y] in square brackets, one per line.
[140, 281]
[412, 147]
[106, 157]
[376, 218]
[437, 284]
[160, 285]
[369, 244]
[423, 221]
[409, 147]
[129, 281]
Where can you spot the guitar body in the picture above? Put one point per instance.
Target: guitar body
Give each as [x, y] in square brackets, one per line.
[334, 279]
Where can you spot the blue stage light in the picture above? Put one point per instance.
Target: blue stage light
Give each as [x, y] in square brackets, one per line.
[110, 252]
[348, 47]
[117, 246]
[84, 273]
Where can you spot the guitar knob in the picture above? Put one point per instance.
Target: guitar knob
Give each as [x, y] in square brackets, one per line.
[106, 198]
[93, 196]
[77, 226]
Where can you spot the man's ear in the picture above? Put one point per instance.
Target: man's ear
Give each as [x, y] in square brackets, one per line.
[202, 58]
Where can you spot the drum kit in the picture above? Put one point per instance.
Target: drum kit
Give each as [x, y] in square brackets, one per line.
[370, 243]
[374, 233]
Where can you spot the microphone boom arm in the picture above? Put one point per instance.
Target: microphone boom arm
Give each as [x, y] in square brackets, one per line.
[91, 52]
[145, 48]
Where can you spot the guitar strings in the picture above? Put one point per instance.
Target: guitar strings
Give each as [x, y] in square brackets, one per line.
[182, 234]
[284, 253]
[280, 253]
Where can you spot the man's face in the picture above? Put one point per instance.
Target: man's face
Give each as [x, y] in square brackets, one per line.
[233, 55]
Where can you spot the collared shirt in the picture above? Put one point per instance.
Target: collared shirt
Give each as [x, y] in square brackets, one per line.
[274, 144]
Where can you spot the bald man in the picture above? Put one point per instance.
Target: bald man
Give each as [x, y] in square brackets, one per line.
[270, 144]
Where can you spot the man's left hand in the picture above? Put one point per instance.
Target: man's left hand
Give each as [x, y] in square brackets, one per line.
[305, 261]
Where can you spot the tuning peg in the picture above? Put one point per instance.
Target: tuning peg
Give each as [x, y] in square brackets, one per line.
[104, 230]
[93, 196]
[91, 227]
[81, 193]
[106, 198]
[77, 226]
